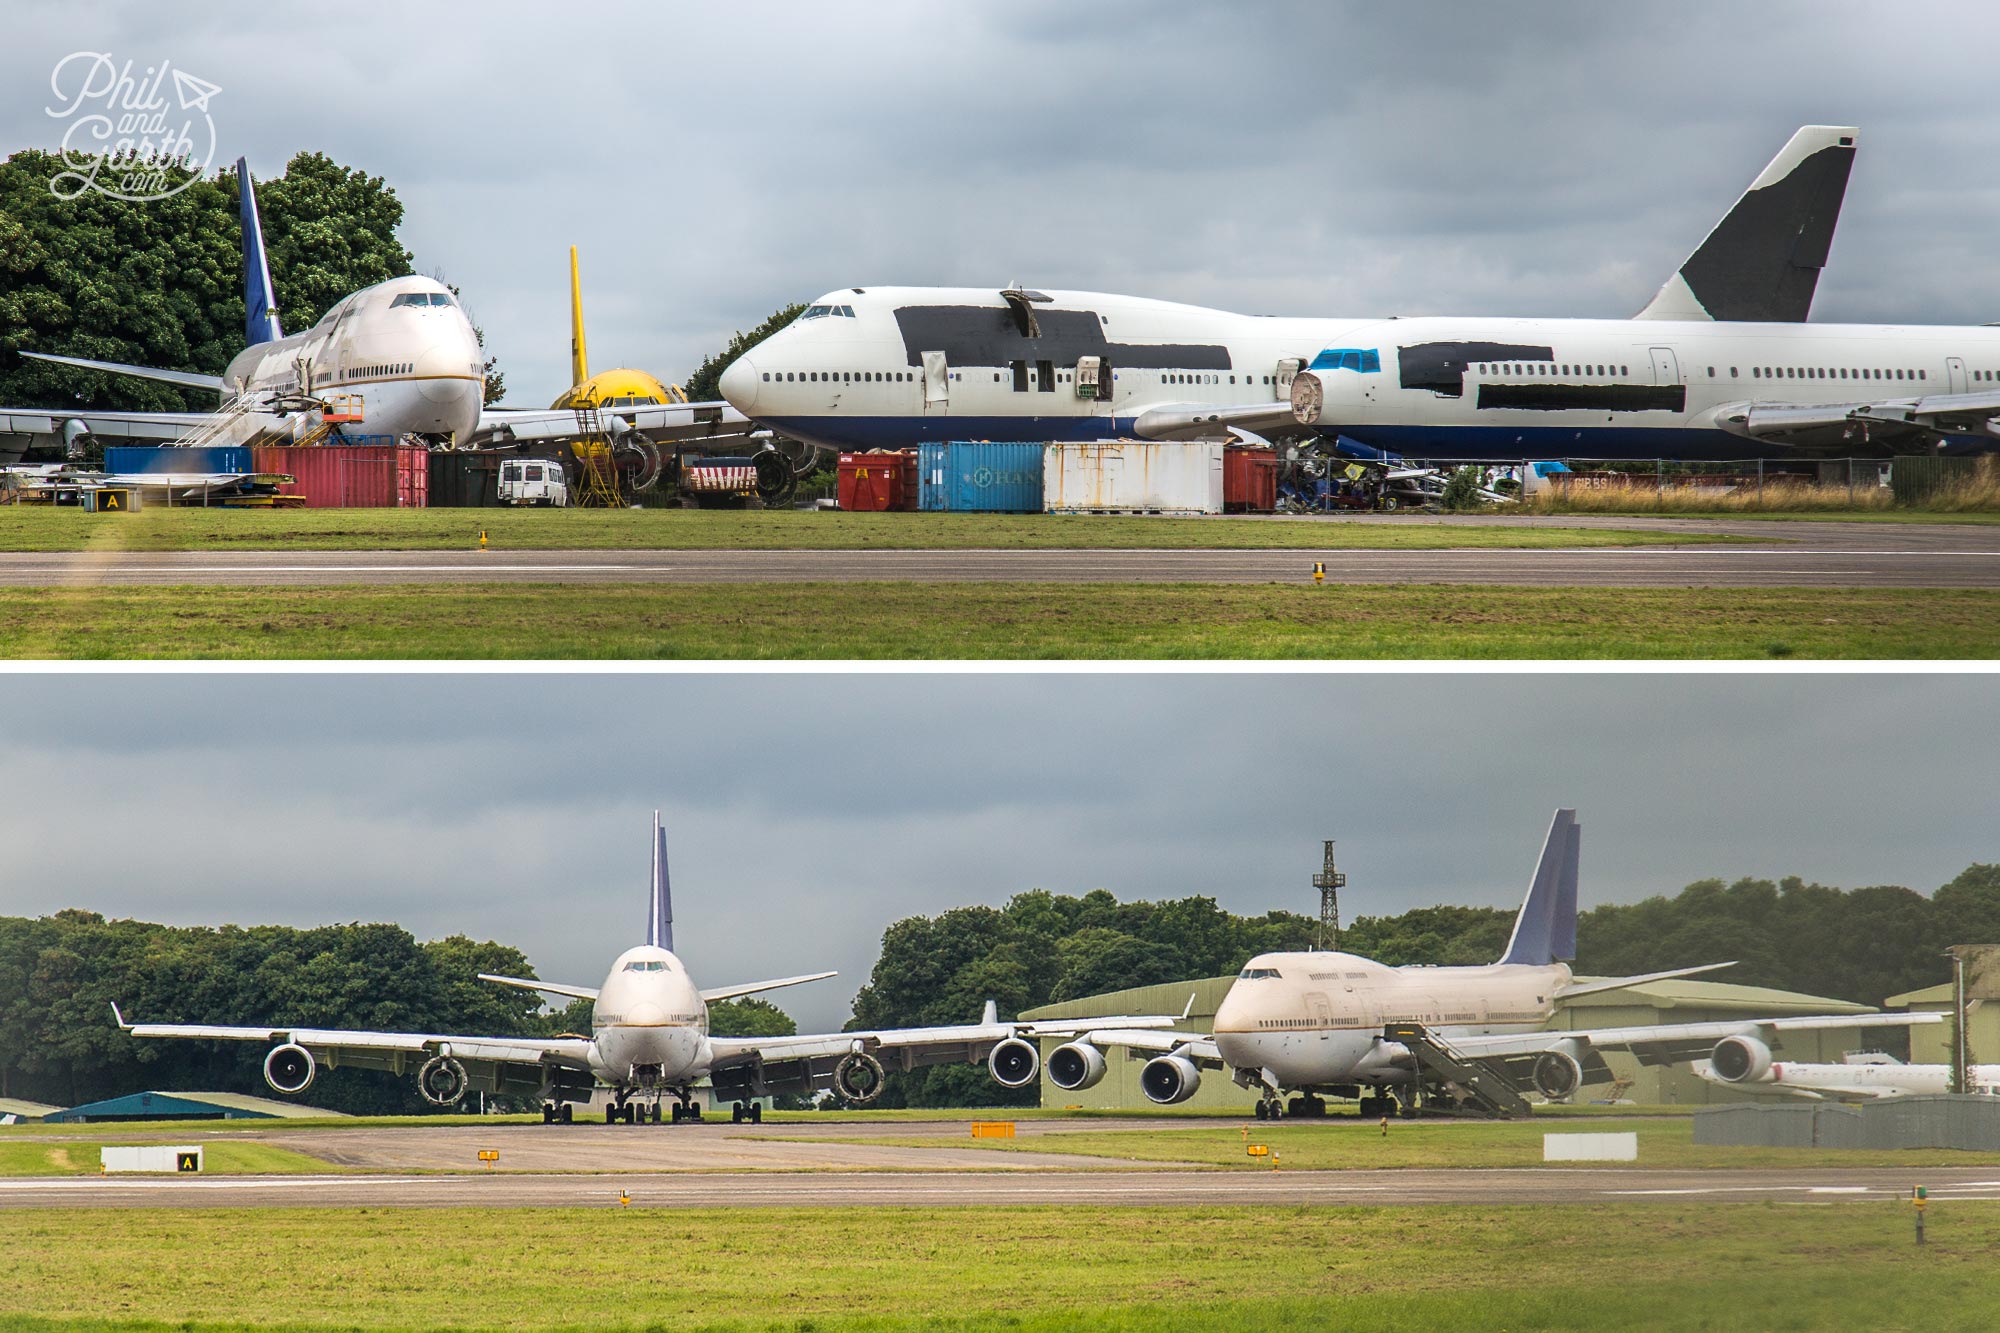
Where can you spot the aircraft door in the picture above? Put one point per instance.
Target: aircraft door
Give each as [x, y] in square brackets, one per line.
[1281, 383]
[1322, 1014]
[1666, 366]
[1954, 374]
[937, 383]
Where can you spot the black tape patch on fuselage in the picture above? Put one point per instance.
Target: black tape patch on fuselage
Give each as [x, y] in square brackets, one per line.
[1762, 262]
[1440, 367]
[1540, 397]
[972, 335]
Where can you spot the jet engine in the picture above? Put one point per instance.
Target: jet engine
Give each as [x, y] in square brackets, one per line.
[1076, 1066]
[1014, 1063]
[1740, 1059]
[442, 1081]
[1557, 1075]
[1168, 1079]
[289, 1068]
[858, 1078]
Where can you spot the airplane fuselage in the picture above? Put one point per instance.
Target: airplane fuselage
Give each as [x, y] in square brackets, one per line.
[1315, 1019]
[897, 366]
[1857, 1080]
[649, 1025]
[404, 347]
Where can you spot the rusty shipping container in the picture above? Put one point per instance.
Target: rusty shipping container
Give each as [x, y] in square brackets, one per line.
[1133, 477]
[878, 481]
[352, 476]
[1249, 481]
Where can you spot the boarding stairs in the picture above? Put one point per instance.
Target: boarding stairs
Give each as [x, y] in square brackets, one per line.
[1479, 1088]
[597, 479]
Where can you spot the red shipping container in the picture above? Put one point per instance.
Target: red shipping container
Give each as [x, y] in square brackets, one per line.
[878, 482]
[1249, 481]
[352, 476]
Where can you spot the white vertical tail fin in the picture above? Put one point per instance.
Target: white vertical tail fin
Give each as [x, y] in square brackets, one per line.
[660, 922]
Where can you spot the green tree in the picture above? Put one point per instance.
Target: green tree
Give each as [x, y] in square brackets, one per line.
[749, 1017]
[704, 386]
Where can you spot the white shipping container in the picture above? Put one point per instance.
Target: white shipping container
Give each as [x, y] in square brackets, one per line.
[169, 1160]
[1133, 476]
[1590, 1147]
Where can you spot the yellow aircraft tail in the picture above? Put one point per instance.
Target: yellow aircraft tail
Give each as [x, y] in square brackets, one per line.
[579, 359]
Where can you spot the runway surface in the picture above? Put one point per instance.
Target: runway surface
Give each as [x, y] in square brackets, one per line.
[1824, 555]
[1172, 1188]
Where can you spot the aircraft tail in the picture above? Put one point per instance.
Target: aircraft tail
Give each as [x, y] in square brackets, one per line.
[579, 359]
[1763, 259]
[260, 302]
[1545, 931]
[660, 923]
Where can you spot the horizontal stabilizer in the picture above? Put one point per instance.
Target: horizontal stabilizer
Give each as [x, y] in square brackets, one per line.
[185, 378]
[573, 992]
[1620, 983]
[731, 992]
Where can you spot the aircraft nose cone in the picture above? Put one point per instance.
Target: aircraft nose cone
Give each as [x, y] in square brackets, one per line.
[646, 1016]
[739, 384]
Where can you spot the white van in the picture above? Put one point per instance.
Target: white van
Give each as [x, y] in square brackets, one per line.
[533, 481]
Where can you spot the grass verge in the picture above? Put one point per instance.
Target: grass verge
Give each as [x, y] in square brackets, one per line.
[219, 1156]
[1345, 1144]
[1003, 621]
[34, 528]
[1663, 1265]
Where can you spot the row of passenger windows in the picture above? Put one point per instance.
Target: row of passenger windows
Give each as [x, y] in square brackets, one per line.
[1547, 368]
[376, 372]
[1824, 373]
[839, 376]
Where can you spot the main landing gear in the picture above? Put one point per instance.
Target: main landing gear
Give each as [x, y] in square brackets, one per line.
[558, 1113]
[751, 1111]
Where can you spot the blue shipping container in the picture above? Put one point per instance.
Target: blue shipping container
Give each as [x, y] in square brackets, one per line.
[980, 476]
[128, 458]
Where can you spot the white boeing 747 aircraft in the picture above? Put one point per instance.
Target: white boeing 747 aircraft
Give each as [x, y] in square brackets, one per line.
[1718, 365]
[649, 1037]
[1343, 1025]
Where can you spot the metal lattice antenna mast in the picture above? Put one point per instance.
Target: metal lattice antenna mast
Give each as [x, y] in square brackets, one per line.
[1329, 882]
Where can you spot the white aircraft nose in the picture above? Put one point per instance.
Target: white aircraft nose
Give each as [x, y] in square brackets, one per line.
[646, 1016]
[739, 384]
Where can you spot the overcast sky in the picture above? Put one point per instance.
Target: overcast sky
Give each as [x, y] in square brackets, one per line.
[716, 161]
[805, 813]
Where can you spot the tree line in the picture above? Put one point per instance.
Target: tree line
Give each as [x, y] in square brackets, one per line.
[158, 282]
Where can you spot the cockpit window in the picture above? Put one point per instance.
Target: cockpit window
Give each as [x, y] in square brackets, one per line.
[422, 299]
[1367, 360]
[823, 311]
[644, 965]
[1256, 973]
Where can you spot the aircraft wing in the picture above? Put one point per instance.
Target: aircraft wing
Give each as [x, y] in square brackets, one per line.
[660, 423]
[492, 1064]
[1667, 1043]
[1193, 421]
[753, 987]
[45, 428]
[757, 1066]
[1881, 421]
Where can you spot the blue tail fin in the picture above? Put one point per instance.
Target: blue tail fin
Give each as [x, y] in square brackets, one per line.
[1545, 931]
[660, 924]
[260, 303]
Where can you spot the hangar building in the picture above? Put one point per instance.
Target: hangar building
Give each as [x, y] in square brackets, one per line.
[1681, 1001]
[184, 1106]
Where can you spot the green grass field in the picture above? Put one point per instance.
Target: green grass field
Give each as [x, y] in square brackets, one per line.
[38, 528]
[219, 1156]
[995, 621]
[1346, 1144]
[1679, 1265]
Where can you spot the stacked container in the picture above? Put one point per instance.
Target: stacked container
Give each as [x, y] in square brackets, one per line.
[128, 459]
[980, 476]
[1134, 477]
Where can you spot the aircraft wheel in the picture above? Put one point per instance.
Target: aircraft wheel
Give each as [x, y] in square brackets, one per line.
[548, 1113]
[756, 1114]
[656, 1113]
[568, 1114]
[1390, 504]
[611, 1113]
[736, 1114]
[677, 1113]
